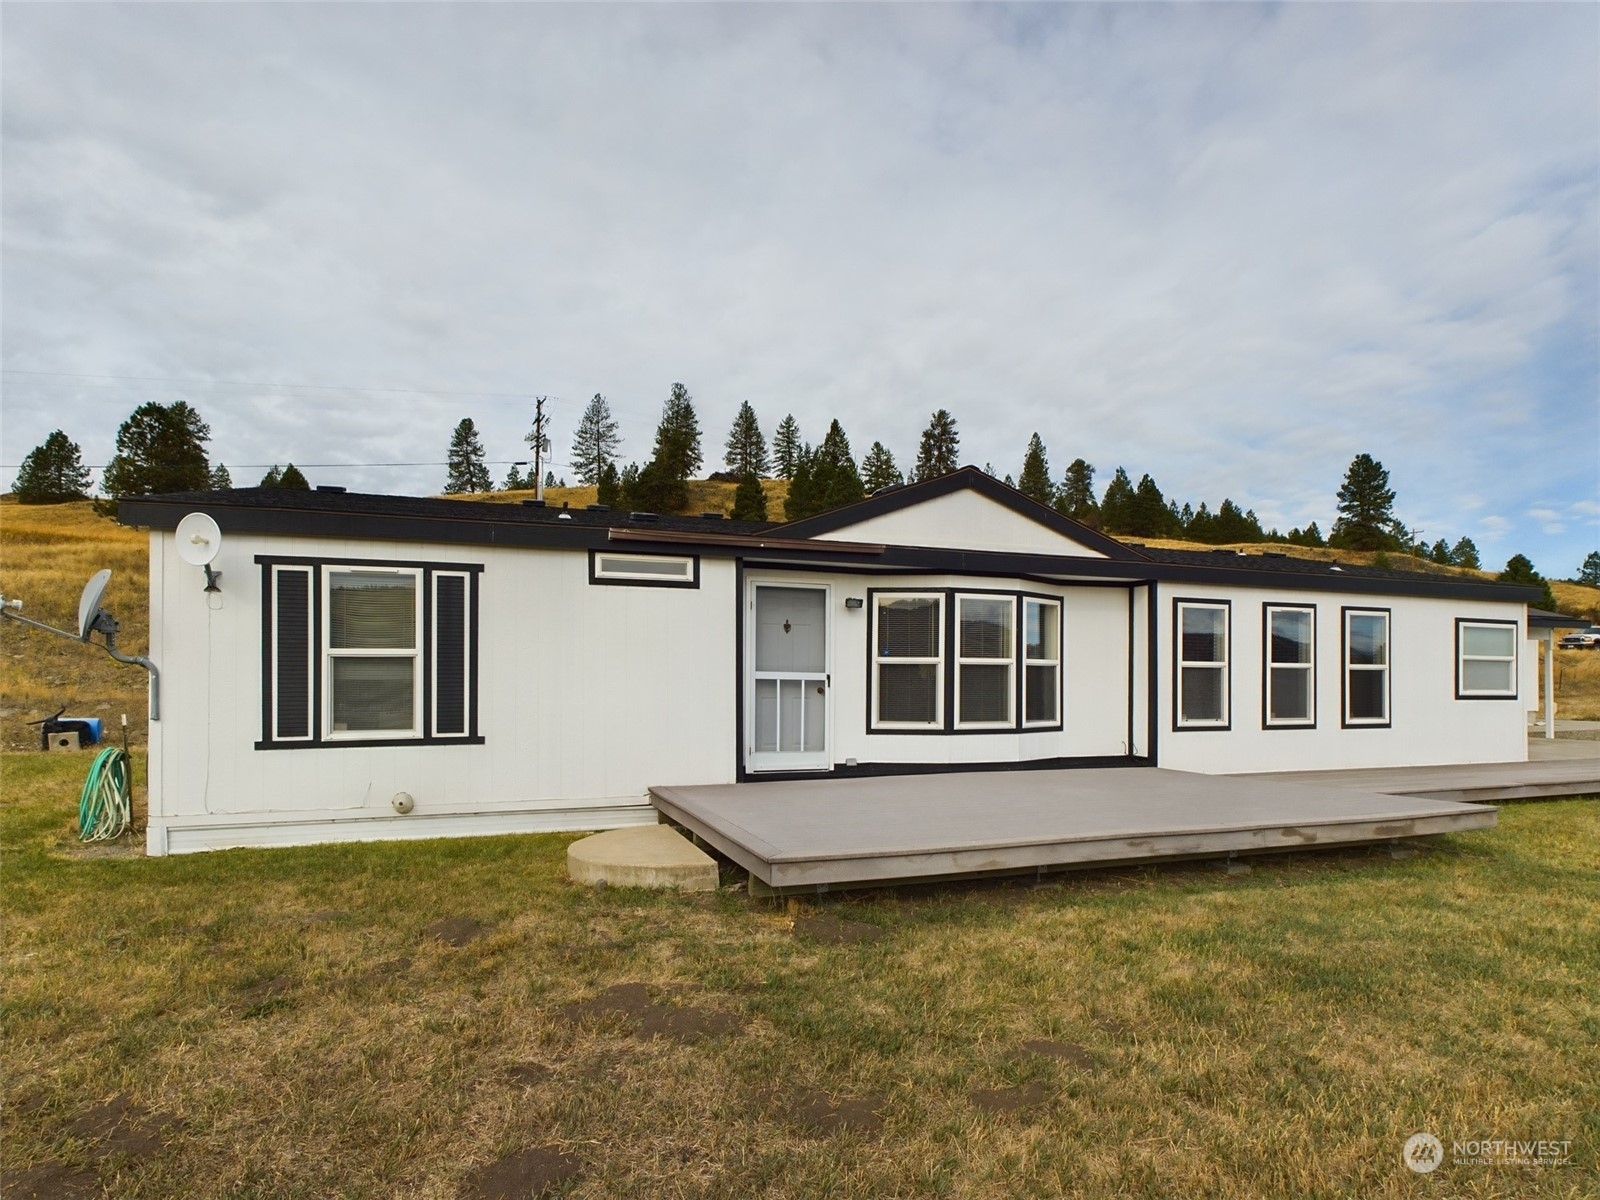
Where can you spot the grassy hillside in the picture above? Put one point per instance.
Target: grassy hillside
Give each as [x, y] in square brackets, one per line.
[705, 495]
[47, 552]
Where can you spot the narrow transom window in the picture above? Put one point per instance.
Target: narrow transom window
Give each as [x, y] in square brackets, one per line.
[675, 570]
[1486, 660]
[373, 663]
[1202, 665]
[986, 653]
[1366, 667]
[1291, 666]
[1041, 666]
[908, 661]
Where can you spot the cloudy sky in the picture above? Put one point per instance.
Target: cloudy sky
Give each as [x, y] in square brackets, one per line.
[1232, 246]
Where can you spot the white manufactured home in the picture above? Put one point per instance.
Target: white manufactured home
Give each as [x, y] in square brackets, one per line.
[387, 667]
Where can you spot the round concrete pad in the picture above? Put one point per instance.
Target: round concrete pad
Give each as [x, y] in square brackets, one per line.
[650, 856]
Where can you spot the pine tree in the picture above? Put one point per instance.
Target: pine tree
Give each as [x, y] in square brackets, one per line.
[273, 478]
[514, 480]
[786, 447]
[596, 441]
[1519, 569]
[677, 449]
[1075, 497]
[292, 479]
[939, 452]
[1148, 514]
[749, 501]
[1034, 482]
[1366, 508]
[1440, 553]
[628, 486]
[835, 478]
[1589, 573]
[52, 473]
[1116, 506]
[465, 461]
[549, 479]
[221, 481]
[801, 500]
[746, 447]
[1465, 554]
[160, 448]
[609, 487]
[878, 470]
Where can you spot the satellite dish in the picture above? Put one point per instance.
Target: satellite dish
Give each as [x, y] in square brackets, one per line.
[89, 602]
[199, 539]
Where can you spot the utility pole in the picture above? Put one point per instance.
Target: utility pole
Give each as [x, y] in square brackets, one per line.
[540, 441]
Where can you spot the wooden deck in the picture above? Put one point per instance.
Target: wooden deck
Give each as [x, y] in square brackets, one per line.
[829, 833]
[1475, 783]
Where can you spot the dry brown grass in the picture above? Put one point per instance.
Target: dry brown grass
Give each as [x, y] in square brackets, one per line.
[1272, 1035]
[47, 553]
[1577, 599]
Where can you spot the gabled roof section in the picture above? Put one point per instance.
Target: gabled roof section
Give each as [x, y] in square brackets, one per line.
[965, 510]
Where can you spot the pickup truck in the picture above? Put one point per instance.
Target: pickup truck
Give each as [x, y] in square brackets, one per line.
[1584, 639]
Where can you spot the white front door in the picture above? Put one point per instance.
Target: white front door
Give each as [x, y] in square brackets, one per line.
[786, 695]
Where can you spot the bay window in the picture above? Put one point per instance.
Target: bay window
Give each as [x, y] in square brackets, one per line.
[908, 661]
[985, 655]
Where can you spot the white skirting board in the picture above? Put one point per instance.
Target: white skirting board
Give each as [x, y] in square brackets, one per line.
[178, 836]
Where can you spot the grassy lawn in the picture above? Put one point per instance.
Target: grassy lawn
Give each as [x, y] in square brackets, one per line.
[285, 1024]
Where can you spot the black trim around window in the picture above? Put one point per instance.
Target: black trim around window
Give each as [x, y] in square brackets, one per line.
[597, 581]
[1345, 722]
[271, 677]
[1267, 609]
[1178, 725]
[949, 645]
[1516, 660]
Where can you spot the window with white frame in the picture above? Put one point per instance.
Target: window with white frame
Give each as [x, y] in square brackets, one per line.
[1366, 666]
[1290, 667]
[373, 653]
[908, 661]
[670, 570]
[1041, 663]
[986, 652]
[1486, 660]
[1202, 664]
[362, 652]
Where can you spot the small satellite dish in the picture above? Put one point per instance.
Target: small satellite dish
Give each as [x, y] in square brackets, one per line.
[89, 602]
[199, 539]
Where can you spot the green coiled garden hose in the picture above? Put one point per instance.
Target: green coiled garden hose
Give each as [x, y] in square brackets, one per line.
[105, 810]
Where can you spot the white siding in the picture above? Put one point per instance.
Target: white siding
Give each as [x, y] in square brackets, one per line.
[962, 520]
[587, 695]
[1428, 724]
[1094, 663]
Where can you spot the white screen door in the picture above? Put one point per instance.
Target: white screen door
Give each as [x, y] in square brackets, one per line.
[787, 698]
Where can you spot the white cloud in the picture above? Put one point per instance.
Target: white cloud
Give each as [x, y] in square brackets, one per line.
[1232, 246]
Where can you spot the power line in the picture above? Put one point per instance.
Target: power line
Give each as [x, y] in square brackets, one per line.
[488, 462]
[316, 387]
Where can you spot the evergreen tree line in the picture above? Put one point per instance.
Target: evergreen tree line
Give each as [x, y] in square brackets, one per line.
[162, 449]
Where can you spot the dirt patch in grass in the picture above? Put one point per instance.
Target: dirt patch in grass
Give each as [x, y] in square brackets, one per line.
[633, 1003]
[119, 1126]
[261, 998]
[829, 930]
[456, 931]
[49, 1181]
[1011, 1099]
[536, 1171]
[1065, 1052]
[821, 1114]
[527, 1074]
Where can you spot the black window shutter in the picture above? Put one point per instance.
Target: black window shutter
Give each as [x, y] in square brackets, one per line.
[450, 655]
[292, 654]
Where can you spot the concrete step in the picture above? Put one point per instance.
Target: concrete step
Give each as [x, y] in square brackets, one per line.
[648, 856]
